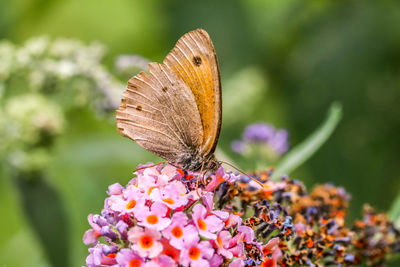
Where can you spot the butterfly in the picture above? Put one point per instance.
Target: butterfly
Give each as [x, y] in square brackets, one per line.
[174, 111]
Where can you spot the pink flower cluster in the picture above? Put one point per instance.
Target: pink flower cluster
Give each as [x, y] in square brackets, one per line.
[162, 218]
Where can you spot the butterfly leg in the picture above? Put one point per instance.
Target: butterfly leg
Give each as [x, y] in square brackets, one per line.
[145, 167]
[201, 175]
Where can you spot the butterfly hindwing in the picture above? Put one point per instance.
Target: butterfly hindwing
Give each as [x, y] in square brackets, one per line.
[194, 61]
[158, 112]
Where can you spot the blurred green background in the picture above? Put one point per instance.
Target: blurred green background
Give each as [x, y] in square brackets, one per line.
[281, 61]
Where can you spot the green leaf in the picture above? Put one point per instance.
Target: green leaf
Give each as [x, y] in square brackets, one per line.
[309, 146]
[49, 224]
[394, 212]
[23, 243]
[19, 246]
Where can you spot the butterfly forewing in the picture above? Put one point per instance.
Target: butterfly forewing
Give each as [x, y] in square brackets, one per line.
[158, 112]
[194, 61]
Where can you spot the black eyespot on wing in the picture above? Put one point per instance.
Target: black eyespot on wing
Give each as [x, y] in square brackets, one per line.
[139, 108]
[197, 60]
[165, 89]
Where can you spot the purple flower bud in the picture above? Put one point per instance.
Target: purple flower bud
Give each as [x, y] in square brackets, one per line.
[94, 258]
[108, 232]
[108, 216]
[121, 226]
[97, 219]
[109, 249]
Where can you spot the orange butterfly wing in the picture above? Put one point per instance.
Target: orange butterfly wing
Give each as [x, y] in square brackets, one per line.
[194, 61]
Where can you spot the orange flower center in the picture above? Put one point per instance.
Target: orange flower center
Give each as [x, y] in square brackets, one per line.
[152, 219]
[310, 243]
[220, 178]
[146, 241]
[177, 232]
[194, 253]
[131, 204]
[268, 263]
[151, 189]
[181, 172]
[219, 241]
[169, 201]
[134, 263]
[202, 225]
[267, 251]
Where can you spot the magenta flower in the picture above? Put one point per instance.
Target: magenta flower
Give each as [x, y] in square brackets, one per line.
[154, 218]
[164, 261]
[272, 249]
[155, 177]
[128, 202]
[208, 200]
[115, 189]
[173, 195]
[195, 253]
[92, 235]
[97, 257]
[178, 230]
[216, 261]
[220, 177]
[224, 246]
[206, 225]
[94, 258]
[155, 221]
[232, 220]
[161, 261]
[236, 263]
[127, 258]
[145, 241]
[247, 234]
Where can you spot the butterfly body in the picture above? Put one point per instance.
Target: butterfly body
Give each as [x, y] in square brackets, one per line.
[174, 110]
[196, 162]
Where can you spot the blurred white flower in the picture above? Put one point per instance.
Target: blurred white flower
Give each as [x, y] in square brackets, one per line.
[127, 62]
[30, 114]
[7, 59]
[28, 120]
[38, 81]
[36, 46]
[42, 65]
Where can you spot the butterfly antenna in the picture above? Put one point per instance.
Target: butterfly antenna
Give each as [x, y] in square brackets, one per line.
[242, 172]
